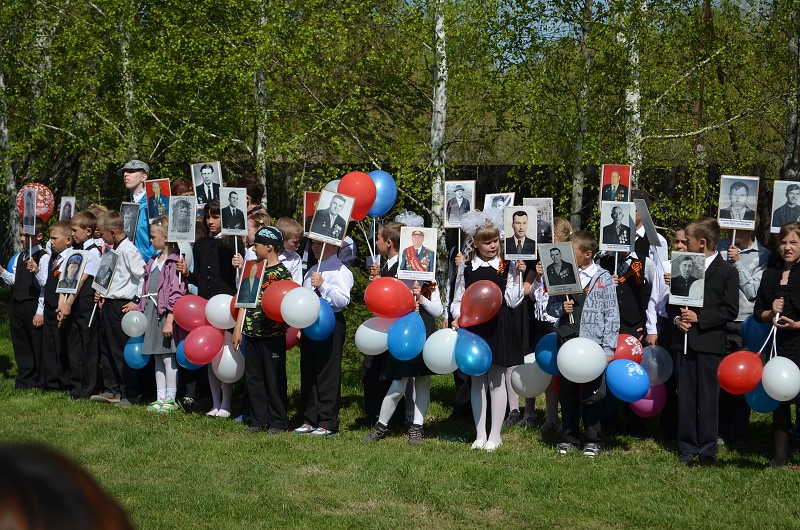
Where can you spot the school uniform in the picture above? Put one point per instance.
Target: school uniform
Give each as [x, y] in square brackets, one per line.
[82, 346]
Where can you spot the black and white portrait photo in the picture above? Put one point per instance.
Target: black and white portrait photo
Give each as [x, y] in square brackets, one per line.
[518, 225]
[233, 207]
[129, 211]
[105, 272]
[182, 219]
[737, 202]
[69, 275]
[67, 208]
[29, 211]
[459, 197]
[785, 204]
[207, 182]
[544, 218]
[560, 272]
[330, 220]
[687, 279]
[498, 200]
[618, 228]
[418, 253]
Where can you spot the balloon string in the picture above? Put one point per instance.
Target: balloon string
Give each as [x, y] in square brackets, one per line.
[366, 239]
[769, 335]
[374, 235]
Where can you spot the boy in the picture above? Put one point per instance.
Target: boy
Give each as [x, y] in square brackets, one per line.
[292, 231]
[595, 316]
[265, 363]
[119, 380]
[321, 361]
[704, 328]
[25, 320]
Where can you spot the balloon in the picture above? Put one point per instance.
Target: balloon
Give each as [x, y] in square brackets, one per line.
[781, 379]
[628, 347]
[472, 353]
[218, 311]
[546, 350]
[300, 307]
[581, 360]
[406, 337]
[480, 303]
[754, 333]
[360, 186]
[291, 338]
[652, 403]
[760, 401]
[272, 297]
[180, 355]
[190, 312]
[739, 372]
[528, 380]
[45, 202]
[134, 323]
[627, 380]
[12, 263]
[657, 362]
[228, 365]
[322, 328]
[385, 193]
[185, 248]
[389, 298]
[372, 337]
[133, 353]
[439, 352]
[333, 185]
[203, 344]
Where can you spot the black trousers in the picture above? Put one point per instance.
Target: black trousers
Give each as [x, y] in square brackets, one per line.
[698, 402]
[118, 377]
[581, 401]
[375, 388]
[265, 377]
[82, 343]
[27, 343]
[321, 377]
[734, 413]
[53, 368]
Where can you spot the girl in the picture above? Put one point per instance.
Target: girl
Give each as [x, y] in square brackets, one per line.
[485, 262]
[162, 287]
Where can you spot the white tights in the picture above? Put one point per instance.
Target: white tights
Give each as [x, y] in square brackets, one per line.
[495, 379]
[422, 389]
[166, 377]
[220, 392]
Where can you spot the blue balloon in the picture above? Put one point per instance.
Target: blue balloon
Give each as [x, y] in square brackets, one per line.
[472, 353]
[133, 353]
[754, 333]
[760, 401]
[546, 351]
[12, 263]
[386, 193]
[627, 380]
[322, 328]
[407, 337]
[180, 355]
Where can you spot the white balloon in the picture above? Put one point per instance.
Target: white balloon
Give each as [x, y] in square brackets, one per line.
[218, 311]
[372, 335]
[581, 360]
[300, 307]
[228, 365]
[186, 251]
[134, 323]
[781, 379]
[439, 351]
[333, 185]
[528, 380]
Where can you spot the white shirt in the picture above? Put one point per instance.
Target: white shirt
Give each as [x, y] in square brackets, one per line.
[655, 253]
[709, 259]
[337, 282]
[127, 279]
[292, 261]
[92, 258]
[587, 274]
[513, 294]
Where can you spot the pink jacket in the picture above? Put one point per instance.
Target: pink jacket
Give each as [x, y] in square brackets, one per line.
[170, 288]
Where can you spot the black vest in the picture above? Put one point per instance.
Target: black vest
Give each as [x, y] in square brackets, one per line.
[50, 294]
[25, 285]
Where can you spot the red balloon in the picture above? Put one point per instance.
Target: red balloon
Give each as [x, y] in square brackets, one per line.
[389, 298]
[362, 187]
[45, 202]
[740, 372]
[190, 312]
[203, 344]
[291, 338]
[629, 348]
[273, 296]
[480, 303]
[234, 309]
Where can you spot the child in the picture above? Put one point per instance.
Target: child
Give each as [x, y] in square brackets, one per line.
[119, 380]
[26, 319]
[292, 232]
[595, 316]
[321, 361]
[484, 262]
[162, 287]
[265, 363]
[213, 274]
[704, 328]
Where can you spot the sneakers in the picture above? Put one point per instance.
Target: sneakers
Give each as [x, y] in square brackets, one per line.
[566, 447]
[305, 428]
[591, 450]
[378, 432]
[513, 418]
[155, 406]
[478, 444]
[168, 406]
[125, 402]
[105, 397]
[322, 431]
[490, 446]
[415, 435]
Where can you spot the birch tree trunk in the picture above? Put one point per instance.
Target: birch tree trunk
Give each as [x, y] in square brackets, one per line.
[633, 119]
[131, 136]
[583, 102]
[11, 243]
[438, 121]
[789, 168]
[260, 81]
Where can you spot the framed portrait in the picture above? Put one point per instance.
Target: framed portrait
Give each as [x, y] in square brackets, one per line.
[71, 271]
[785, 204]
[560, 271]
[66, 209]
[129, 211]
[417, 253]
[182, 219]
[310, 201]
[647, 223]
[329, 224]
[207, 179]
[498, 200]
[459, 198]
[250, 286]
[544, 218]
[737, 202]
[615, 183]
[518, 226]
[687, 279]
[29, 211]
[617, 226]
[233, 211]
[158, 192]
[105, 272]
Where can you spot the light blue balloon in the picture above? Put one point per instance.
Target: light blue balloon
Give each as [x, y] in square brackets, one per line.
[754, 333]
[12, 263]
[407, 337]
[546, 351]
[133, 353]
[180, 355]
[627, 380]
[386, 193]
[472, 353]
[322, 328]
[760, 401]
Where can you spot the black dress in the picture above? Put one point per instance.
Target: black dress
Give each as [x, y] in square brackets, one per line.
[787, 341]
[394, 368]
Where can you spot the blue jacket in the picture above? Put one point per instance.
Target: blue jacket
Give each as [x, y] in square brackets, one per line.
[143, 232]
